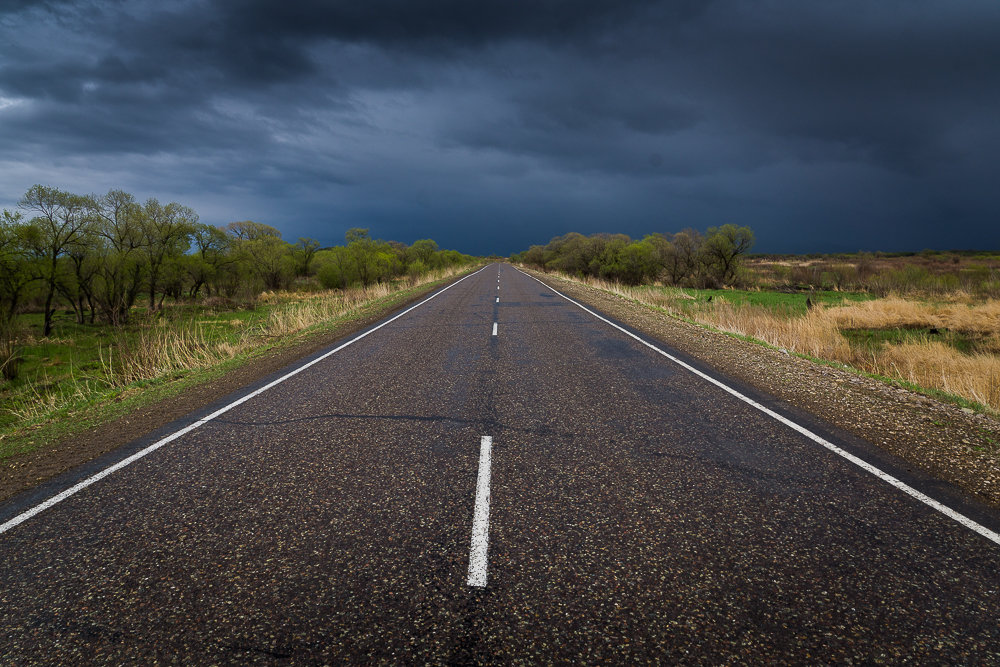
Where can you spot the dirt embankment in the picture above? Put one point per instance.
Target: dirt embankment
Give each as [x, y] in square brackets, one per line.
[944, 440]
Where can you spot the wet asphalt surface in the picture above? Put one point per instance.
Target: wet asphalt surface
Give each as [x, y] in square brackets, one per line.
[638, 514]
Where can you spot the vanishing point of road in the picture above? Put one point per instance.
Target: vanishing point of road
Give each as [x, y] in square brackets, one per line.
[497, 475]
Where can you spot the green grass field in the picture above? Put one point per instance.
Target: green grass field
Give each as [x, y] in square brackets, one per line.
[872, 339]
[784, 303]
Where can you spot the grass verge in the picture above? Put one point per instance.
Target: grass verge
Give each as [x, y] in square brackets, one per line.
[934, 365]
[109, 379]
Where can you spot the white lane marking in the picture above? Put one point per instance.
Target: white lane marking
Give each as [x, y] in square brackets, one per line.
[41, 507]
[498, 299]
[861, 463]
[481, 517]
[494, 328]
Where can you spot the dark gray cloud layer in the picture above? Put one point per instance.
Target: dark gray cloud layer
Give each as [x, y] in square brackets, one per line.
[491, 125]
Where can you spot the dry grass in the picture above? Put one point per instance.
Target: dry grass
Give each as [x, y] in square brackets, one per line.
[166, 349]
[923, 276]
[892, 312]
[814, 334]
[162, 351]
[934, 364]
[927, 363]
[35, 400]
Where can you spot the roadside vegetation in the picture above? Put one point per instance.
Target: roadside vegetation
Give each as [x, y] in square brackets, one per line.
[102, 297]
[929, 320]
[685, 258]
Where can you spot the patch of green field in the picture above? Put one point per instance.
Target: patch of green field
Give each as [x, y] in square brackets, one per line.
[785, 303]
[872, 339]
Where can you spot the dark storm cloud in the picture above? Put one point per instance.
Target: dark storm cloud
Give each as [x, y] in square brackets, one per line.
[438, 26]
[823, 125]
[17, 6]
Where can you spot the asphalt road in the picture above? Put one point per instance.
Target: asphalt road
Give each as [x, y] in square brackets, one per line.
[637, 512]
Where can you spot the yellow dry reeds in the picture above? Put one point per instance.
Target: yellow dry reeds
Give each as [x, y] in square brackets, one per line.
[892, 312]
[163, 350]
[934, 364]
[157, 352]
[34, 400]
[292, 317]
[814, 334]
[169, 347]
[817, 333]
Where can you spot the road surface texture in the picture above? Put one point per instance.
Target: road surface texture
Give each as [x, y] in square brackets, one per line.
[634, 511]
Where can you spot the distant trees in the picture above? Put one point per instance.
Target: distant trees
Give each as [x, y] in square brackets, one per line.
[683, 263]
[268, 258]
[684, 258]
[366, 255]
[365, 260]
[336, 268]
[101, 254]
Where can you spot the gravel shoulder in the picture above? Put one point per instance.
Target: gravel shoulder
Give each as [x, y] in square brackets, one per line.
[947, 442]
[22, 472]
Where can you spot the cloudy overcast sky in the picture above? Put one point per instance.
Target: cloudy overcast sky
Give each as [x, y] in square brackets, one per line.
[834, 125]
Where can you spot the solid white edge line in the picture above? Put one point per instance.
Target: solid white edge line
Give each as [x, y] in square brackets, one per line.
[864, 465]
[59, 497]
[479, 548]
[494, 328]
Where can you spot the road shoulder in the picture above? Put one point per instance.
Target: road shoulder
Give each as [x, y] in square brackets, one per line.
[940, 439]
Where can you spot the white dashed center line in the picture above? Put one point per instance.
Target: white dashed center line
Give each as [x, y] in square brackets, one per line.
[494, 328]
[481, 518]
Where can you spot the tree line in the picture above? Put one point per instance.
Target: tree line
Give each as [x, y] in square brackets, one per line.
[102, 255]
[687, 258]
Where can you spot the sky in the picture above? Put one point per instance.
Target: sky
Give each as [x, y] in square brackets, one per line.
[826, 126]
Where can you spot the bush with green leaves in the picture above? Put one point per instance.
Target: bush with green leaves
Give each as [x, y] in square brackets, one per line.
[686, 258]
